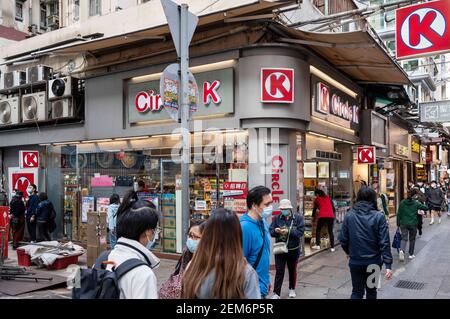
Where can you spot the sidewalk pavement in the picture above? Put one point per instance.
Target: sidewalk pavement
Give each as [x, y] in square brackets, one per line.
[326, 275]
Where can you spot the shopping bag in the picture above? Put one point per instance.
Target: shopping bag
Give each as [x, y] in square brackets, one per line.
[396, 243]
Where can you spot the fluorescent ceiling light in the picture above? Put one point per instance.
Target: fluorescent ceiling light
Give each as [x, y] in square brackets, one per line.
[98, 141]
[332, 81]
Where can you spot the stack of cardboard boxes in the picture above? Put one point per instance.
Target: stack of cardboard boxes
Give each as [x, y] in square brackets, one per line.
[169, 223]
[96, 236]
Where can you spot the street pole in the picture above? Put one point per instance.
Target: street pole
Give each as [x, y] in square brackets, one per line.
[184, 110]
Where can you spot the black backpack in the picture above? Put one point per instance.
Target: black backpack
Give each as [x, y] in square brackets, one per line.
[99, 283]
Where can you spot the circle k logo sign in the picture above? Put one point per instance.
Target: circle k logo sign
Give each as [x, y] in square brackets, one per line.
[423, 29]
[277, 85]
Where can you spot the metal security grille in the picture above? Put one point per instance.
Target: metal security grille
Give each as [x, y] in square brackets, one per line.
[412, 285]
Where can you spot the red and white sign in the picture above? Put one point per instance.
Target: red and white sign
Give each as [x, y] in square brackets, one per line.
[235, 195]
[29, 159]
[4, 226]
[423, 29]
[277, 85]
[323, 102]
[20, 179]
[366, 155]
[210, 92]
[148, 101]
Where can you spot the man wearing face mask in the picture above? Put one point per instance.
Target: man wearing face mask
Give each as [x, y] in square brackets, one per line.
[32, 205]
[137, 233]
[255, 234]
[288, 227]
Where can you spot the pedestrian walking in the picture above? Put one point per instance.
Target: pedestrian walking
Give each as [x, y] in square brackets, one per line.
[421, 198]
[17, 218]
[128, 200]
[218, 269]
[45, 218]
[137, 231]
[287, 228]
[114, 202]
[435, 200]
[255, 234]
[365, 239]
[172, 288]
[382, 202]
[32, 204]
[327, 211]
[407, 221]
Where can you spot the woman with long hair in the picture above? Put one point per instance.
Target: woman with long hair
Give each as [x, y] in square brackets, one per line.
[326, 208]
[129, 199]
[219, 269]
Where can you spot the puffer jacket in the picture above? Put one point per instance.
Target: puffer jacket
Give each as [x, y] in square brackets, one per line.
[407, 212]
[435, 198]
[365, 236]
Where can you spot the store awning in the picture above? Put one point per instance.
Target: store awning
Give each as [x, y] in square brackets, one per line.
[357, 54]
[147, 22]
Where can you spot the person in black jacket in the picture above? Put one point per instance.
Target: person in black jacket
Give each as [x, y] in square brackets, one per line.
[17, 218]
[287, 227]
[365, 239]
[45, 218]
[435, 199]
[32, 204]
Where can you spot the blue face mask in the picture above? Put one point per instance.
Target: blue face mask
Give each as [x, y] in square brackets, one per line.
[267, 212]
[192, 244]
[152, 243]
[285, 212]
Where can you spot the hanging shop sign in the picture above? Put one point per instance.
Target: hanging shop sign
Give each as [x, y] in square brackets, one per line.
[333, 105]
[415, 147]
[214, 95]
[422, 29]
[435, 112]
[4, 225]
[366, 155]
[401, 150]
[277, 85]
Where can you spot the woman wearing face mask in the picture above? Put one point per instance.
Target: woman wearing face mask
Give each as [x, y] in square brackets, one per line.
[137, 232]
[287, 227]
[435, 199]
[326, 208]
[172, 287]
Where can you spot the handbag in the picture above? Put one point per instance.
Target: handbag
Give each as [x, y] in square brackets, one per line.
[282, 247]
[15, 222]
[396, 243]
[172, 288]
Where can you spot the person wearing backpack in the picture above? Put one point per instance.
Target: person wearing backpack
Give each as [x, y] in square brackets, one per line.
[114, 203]
[45, 218]
[137, 231]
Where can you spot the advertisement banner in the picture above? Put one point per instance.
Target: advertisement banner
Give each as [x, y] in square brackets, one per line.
[20, 179]
[4, 229]
[88, 204]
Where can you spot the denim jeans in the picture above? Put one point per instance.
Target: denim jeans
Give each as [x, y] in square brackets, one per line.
[112, 240]
[359, 282]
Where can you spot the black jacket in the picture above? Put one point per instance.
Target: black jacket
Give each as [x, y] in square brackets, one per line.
[365, 236]
[32, 204]
[297, 230]
[435, 198]
[45, 211]
[17, 207]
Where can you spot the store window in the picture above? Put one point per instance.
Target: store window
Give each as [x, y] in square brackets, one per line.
[43, 16]
[95, 7]
[91, 172]
[76, 10]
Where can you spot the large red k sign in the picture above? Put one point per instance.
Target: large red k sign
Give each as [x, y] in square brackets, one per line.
[29, 159]
[277, 85]
[366, 155]
[423, 29]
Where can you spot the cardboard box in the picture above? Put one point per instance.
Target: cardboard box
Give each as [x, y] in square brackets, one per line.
[96, 229]
[169, 221]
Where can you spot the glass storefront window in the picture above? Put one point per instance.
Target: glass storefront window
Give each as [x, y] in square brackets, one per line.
[87, 174]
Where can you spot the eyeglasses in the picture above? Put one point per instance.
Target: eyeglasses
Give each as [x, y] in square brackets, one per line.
[193, 236]
[158, 230]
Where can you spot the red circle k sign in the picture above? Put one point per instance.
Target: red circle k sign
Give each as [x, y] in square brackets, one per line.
[423, 29]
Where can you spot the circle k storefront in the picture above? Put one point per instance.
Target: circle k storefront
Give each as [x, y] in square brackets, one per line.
[267, 115]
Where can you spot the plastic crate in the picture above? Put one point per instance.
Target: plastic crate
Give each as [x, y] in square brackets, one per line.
[23, 259]
[62, 263]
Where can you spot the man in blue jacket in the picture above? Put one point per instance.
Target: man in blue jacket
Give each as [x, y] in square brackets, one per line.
[32, 205]
[365, 239]
[255, 234]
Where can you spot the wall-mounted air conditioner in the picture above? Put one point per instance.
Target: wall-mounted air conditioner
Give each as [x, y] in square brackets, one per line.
[34, 107]
[38, 73]
[13, 79]
[9, 111]
[63, 108]
[323, 155]
[62, 88]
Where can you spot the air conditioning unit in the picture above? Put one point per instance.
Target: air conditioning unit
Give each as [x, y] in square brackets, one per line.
[63, 108]
[13, 79]
[324, 155]
[34, 107]
[38, 73]
[9, 111]
[62, 87]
